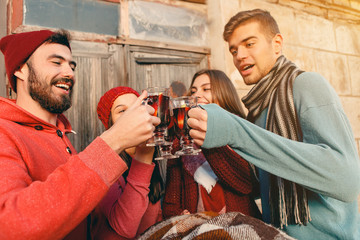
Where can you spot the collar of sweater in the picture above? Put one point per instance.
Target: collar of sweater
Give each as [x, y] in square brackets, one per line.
[11, 112]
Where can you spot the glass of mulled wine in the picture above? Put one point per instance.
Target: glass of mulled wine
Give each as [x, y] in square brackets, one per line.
[181, 106]
[166, 149]
[158, 98]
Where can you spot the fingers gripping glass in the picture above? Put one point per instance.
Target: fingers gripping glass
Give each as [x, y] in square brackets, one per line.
[181, 106]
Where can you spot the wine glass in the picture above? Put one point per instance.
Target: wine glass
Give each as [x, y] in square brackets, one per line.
[181, 106]
[158, 98]
[166, 149]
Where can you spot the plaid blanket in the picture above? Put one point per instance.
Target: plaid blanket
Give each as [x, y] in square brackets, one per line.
[210, 225]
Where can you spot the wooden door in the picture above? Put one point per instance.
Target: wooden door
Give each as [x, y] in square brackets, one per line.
[151, 67]
[101, 67]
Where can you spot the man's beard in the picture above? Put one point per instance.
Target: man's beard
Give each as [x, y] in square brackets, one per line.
[42, 93]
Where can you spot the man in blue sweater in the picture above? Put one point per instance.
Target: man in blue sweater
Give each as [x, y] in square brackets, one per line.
[296, 135]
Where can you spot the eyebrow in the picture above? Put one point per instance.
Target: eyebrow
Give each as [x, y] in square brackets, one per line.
[201, 85]
[244, 40]
[119, 105]
[62, 58]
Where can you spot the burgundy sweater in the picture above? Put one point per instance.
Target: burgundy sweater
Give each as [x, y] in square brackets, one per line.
[46, 189]
[234, 177]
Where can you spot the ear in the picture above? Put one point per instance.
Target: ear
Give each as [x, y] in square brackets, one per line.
[23, 72]
[277, 43]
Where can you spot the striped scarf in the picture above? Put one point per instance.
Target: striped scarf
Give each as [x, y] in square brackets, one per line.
[288, 200]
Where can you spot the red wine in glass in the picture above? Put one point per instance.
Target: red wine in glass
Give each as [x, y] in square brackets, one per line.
[181, 106]
[159, 99]
[170, 131]
[161, 105]
[180, 118]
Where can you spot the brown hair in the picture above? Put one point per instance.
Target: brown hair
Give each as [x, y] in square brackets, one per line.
[62, 37]
[263, 17]
[222, 91]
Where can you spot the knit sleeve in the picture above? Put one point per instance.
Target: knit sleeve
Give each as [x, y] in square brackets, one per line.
[172, 204]
[232, 170]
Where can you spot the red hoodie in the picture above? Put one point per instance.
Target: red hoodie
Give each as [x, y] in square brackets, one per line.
[46, 189]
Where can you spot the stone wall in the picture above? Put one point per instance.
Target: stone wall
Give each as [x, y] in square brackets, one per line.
[319, 35]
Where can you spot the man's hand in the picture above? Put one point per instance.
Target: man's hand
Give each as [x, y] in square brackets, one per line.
[134, 127]
[198, 122]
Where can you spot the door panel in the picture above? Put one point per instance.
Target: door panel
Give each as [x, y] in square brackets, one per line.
[160, 67]
[101, 67]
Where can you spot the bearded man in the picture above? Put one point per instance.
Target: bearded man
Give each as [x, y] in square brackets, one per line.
[47, 190]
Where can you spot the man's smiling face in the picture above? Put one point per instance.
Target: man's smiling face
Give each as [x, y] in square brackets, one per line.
[254, 52]
[51, 77]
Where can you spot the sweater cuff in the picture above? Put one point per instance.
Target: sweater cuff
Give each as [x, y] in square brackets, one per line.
[99, 157]
[141, 172]
[217, 127]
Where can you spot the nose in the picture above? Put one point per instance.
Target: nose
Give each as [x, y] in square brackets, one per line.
[68, 71]
[241, 53]
[196, 94]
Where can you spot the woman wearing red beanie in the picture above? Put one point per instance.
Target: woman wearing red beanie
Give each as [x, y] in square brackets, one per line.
[206, 182]
[133, 202]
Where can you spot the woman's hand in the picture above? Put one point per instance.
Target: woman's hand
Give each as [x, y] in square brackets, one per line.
[144, 154]
[198, 122]
[185, 212]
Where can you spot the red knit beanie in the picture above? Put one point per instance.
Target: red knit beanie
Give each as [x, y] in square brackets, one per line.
[17, 48]
[107, 100]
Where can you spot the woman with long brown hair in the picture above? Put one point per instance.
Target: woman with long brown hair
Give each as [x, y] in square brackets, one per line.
[206, 182]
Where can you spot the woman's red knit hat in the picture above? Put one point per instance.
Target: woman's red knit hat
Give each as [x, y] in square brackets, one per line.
[107, 100]
[17, 48]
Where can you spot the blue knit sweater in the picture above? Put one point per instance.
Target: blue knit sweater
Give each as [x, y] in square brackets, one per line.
[326, 162]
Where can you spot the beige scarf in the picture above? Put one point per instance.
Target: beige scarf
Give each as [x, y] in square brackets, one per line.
[288, 200]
